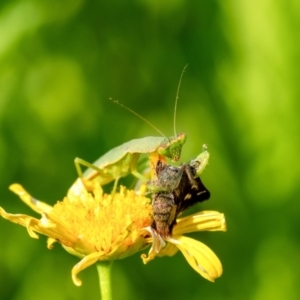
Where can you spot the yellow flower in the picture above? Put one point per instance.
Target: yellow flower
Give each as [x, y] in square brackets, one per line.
[94, 227]
[201, 258]
[100, 227]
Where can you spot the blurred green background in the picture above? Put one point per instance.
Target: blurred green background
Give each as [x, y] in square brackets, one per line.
[60, 61]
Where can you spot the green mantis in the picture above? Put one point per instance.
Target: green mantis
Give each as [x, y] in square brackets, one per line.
[122, 160]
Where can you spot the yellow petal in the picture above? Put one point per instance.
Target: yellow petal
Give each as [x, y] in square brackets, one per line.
[36, 205]
[169, 250]
[157, 244]
[50, 242]
[83, 264]
[201, 221]
[199, 256]
[30, 223]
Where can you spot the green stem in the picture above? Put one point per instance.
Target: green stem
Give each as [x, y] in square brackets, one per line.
[104, 269]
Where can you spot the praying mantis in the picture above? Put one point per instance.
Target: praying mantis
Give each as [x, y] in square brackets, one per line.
[122, 160]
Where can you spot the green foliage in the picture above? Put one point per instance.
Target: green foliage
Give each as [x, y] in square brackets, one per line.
[60, 61]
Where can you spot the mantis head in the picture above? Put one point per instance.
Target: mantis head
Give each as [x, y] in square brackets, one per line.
[172, 148]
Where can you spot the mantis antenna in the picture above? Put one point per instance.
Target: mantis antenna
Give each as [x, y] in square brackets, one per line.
[177, 97]
[138, 115]
[145, 120]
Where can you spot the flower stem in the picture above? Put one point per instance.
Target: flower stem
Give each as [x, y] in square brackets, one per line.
[104, 269]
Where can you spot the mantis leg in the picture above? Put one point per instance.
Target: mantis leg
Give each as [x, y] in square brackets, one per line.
[115, 186]
[133, 164]
[79, 161]
[200, 162]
